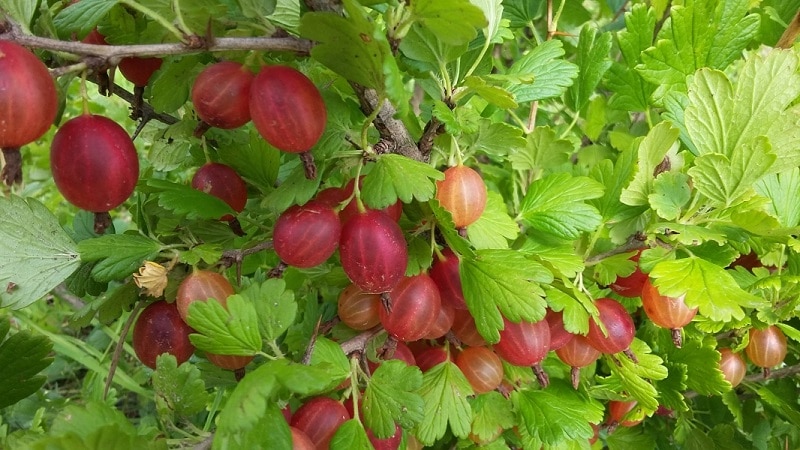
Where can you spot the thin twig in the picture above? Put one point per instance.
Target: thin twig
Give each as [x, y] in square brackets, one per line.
[788, 37]
[120, 345]
[359, 343]
[61, 291]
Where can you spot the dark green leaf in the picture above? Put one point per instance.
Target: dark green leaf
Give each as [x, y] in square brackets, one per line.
[503, 281]
[192, 203]
[22, 356]
[625, 438]
[557, 414]
[37, 253]
[554, 205]
[593, 62]
[701, 359]
[391, 398]
[552, 75]
[108, 306]
[296, 189]
[452, 21]
[444, 393]
[422, 45]
[231, 332]
[171, 84]
[81, 17]
[119, 255]
[631, 92]
[179, 390]
[397, 177]
[351, 435]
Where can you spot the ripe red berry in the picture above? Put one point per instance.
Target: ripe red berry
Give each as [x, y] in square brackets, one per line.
[202, 285]
[221, 95]
[617, 410]
[463, 194]
[525, 344]
[630, 286]
[94, 163]
[139, 70]
[558, 335]
[445, 273]
[465, 330]
[229, 362]
[577, 353]
[306, 236]
[357, 309]
[732, 366]
[319, 418]
[415, 305]
[666, 312]
[482, 368]
[222, 182]
[618, 324]
[373, 251]
[767, 347]
[160, 329]
[28, 104]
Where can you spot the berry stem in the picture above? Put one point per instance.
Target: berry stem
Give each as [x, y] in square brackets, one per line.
[12, 171]
[541, 375]
[308, 165]
[575, 376]
[677, 337]
[102, 220]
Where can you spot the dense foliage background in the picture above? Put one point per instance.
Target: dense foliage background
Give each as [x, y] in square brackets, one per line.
[666, 130]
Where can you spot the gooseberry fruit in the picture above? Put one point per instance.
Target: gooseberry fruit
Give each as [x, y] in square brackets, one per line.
[221, 96]
[357, 309]
[373, 251]
[139, 71]
[288, 111]
[666, 312]
[630, 286]
[618, 324]
[94, 165]
[222, 182]
[28, 105]
[445, 273]
[160, 329]
[443, 322]
[415, 305]
[431, 357]
[767, 347]
[525, 344]
[482, 368]
[463, 194]
[401, 353]
[618, 410]
[558, 335]
[300, 440]
[202, 285]
[390, 443]
[319, 418]
[229, 362]
[577, 353]
[732, 366]
[306, 236]
[465, 330]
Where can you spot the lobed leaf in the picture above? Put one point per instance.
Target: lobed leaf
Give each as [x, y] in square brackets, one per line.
[118, 255]
[391, 398]
[444, 393]
[554, 205]
[231, 332]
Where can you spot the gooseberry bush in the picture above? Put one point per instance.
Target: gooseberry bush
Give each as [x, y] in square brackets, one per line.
[355, 224]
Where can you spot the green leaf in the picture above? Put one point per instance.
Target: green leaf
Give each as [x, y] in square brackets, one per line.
[119, 255]
[491, 411]
[593, 62]
[21, 11]
[557, 414]
[81, 17]
[614, 177]
[543, 153]
[625, 438]
[295, 189]
[171, 84]
[274, 304]
[729, 180]
[554, 205]
[722, 117]
[350, 46]
[254, 159]
[497, 138]
[192, 203]
[179, 389]
[706, 286]
[551, 73]
[631, 92]
[494, 228]
[422, 45]
[351, 435]
[330, 356]
[701, 359]
[391, 398]
[632, 377]
[166, 155]
[576, 309]
[608, 269]
[397, 177]
[671, 192]
[22, 356]
[695, 36]
[97, 425]
[37, 253]
[493, 12]
[108, 306]
[454, 22]
[503, 282]
[208, 253]
[444, 393]
[495, 95]
[231, 332]
[659, 144]
[783, 190]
